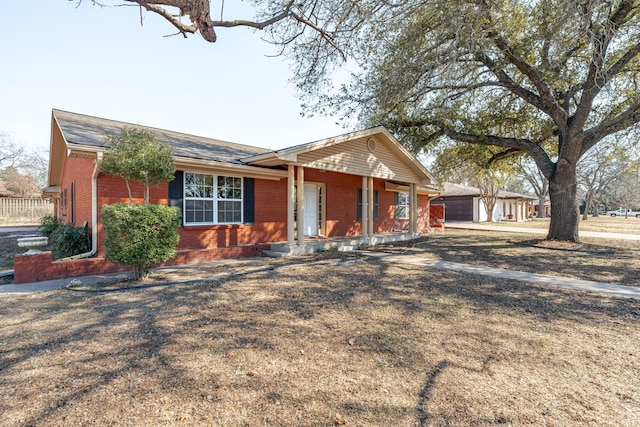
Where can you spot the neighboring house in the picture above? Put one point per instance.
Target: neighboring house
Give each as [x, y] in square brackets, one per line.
[464, 203]
[546, 208]
[238, 200]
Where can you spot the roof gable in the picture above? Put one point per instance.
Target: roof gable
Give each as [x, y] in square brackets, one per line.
[371, 152]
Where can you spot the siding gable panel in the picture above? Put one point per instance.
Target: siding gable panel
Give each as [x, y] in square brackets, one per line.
[354, 157]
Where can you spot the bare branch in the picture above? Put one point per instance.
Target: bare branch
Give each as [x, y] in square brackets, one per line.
[622, 121]
[508, 83]
[534, 150]
[596, 78]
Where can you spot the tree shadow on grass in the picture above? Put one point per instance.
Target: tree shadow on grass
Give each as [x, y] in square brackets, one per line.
[62, 348]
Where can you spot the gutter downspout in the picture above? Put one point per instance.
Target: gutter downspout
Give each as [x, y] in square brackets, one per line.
[94, 212]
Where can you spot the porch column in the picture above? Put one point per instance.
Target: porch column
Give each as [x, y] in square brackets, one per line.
[300, 221]
[370, 205]
[365, 207]
[413, 208]
[291, 203]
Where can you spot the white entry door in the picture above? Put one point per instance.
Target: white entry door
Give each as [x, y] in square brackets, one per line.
[310, 210]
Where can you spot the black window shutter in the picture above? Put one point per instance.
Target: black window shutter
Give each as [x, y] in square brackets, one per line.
[375, 205]
[359, 204]
[176, 192]
[249, 200]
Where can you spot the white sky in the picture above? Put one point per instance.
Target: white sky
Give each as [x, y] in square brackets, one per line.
[101, 62]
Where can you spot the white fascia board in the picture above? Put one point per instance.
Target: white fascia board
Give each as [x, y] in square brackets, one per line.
[240, 170]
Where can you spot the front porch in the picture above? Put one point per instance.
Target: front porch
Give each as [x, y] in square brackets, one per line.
[340, 243]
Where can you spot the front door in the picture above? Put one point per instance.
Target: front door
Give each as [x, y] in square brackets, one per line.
[310, 210]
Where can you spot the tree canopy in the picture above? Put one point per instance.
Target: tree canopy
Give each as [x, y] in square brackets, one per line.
[137, 155]
[549, 78]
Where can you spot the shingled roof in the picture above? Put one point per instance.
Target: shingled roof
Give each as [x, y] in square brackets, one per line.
[458, 190]
[90, 131]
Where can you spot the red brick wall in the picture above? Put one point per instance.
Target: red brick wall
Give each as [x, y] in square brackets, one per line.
[436, 216]
[204, 243]
[271, 211]
[342, 205]
[270, 222]
[39, 267]
[78, 171]
[113, 190]
[341, 201]
[423, 213]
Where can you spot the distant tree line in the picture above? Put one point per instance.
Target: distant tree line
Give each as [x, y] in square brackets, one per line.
[23, 173]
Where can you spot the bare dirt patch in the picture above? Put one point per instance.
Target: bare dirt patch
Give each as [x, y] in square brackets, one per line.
[319, 341]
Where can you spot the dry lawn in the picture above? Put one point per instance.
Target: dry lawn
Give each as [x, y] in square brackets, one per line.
[616, 261]
[603, 223]
[312, 342]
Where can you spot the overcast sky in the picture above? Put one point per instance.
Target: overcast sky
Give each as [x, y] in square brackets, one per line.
[102, 62]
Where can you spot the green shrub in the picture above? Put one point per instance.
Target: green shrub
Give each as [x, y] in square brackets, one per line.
[48, 225]
[66, 239]
[140, 235]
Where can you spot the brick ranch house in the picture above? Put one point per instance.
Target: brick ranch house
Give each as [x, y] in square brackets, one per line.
[239, 200]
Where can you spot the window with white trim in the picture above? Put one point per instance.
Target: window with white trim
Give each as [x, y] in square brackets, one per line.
[402, 205]
[212, 199]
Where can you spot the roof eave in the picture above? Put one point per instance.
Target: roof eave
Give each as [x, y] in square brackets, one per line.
[195, 165]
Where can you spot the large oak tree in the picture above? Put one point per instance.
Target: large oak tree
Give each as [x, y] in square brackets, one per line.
[514, 74]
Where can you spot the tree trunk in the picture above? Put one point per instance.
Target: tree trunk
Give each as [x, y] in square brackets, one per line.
[596, 208]
[564, 207]
[542, 213]
[587, 203]
[488, 209]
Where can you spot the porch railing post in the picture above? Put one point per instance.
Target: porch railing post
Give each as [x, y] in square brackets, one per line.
[370, 205]
[291, 203]
[413, 208]
[300, 219]
[364, 208]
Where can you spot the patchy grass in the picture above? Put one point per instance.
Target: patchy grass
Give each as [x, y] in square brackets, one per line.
[315, 342]
[9, 247]
[605, 224]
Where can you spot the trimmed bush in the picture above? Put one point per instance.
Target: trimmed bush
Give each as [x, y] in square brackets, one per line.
[140, 235]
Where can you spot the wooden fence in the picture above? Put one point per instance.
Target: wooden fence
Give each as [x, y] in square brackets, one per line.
[16, 211]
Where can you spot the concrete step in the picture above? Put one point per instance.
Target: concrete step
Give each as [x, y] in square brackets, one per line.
[275, 254]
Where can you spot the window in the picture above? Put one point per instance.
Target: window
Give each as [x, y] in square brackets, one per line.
[72, 202]
[402, 205]
[212, 199]
[375, 204]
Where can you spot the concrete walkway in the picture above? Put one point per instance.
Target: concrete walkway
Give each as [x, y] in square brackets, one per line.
[539, 279]
[488, 227]
[51, 285]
